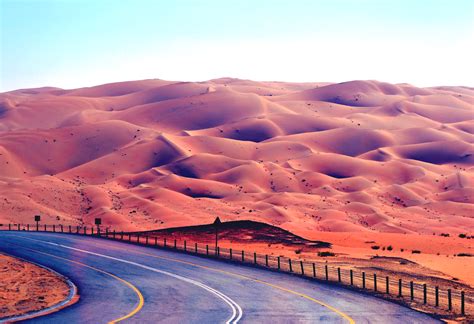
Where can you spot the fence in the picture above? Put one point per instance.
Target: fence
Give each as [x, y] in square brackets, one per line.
[442, 300]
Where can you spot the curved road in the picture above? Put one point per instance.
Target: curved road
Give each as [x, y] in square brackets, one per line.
[119, 282]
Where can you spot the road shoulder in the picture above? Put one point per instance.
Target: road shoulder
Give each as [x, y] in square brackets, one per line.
[29, 290]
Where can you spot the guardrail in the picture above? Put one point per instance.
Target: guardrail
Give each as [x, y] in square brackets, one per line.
[445, 301]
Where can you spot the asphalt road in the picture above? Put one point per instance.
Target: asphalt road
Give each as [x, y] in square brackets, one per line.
[119, 282]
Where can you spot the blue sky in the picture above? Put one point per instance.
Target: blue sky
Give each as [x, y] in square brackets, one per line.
[73, 43]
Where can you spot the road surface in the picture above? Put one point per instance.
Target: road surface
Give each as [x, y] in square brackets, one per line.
[120, 282]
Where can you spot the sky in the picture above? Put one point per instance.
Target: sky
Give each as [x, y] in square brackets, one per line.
[76, 43]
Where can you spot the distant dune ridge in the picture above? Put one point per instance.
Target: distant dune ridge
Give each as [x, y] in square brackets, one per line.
[352, 156]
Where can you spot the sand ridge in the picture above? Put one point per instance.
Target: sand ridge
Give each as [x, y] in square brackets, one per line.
[355, 156]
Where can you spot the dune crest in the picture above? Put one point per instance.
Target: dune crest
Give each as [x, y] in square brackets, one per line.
[353, 156]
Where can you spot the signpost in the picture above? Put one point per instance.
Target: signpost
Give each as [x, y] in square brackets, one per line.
[37, 220]
[98, 222]
[217, 222]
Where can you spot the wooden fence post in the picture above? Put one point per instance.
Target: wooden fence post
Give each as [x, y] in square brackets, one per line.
[387, 285]
[278, 261]
[146, 240]
[185, 248]
[375, 282]
[156, 240]
[363, 280]
[327, 272]
[339, 275]
[207, 249]
[28, 227]
[436, 296]
[266, 260]
[289, 264]
[243, 257]
[230, 253]
[400, 288]
[195, 248]
[302, 268]
[463, 310]
[450, 303]
[351, 272]
[314, 270]
[424, 294]
[54, 228]
[255, 257]
[175, 246]
[9, 227]
[70, 231]
[412, 294]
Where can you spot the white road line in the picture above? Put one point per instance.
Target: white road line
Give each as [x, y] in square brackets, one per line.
[236, 309]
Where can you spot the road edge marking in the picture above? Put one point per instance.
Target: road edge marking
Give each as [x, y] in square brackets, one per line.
[236, 309]
[335, 310]
[141, 300]
[237, 312]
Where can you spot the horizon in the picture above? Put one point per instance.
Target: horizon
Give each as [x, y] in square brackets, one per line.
[227, 77]
[81, 43]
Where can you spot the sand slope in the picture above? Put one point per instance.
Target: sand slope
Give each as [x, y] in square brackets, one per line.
[354, 156]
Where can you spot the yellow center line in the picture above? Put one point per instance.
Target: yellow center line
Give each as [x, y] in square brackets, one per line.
[337, 311]
[141, 300]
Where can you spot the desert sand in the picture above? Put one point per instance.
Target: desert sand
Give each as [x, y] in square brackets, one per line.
[25, 287]
[347, 163]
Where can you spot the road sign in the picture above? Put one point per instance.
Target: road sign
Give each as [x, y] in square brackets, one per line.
[37, 218]
[216, 224]
[98, 221]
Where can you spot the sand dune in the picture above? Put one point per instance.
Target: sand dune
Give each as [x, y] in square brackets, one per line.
[355, 156]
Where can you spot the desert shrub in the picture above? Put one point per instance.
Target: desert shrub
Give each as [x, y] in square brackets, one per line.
[445, 234]
[325, 254]
[298, 251]
[416, 251]
[375, 247]
[462, 235]
[390, 248]
[465, 255]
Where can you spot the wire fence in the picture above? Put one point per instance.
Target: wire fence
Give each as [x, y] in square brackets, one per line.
[442, 299]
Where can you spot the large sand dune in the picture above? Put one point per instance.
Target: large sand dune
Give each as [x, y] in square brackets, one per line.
[354, 156]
